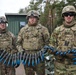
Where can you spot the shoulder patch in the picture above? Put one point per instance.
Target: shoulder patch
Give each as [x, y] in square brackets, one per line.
[60, 28]
[11, 34]
[24, 28]
[74, 28]
[39, 26]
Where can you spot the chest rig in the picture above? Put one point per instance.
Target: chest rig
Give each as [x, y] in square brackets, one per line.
[66, 38]
[33, 38]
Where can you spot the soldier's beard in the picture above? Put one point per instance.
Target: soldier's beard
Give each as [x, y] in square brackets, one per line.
[69, 25]
[3, 30]
[32, 24]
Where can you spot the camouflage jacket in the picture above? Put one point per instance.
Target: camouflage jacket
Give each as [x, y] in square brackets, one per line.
[64, 38]
[32, 37]
[7, 41]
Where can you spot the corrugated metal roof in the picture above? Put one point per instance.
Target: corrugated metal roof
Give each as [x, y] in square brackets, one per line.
[15, 14]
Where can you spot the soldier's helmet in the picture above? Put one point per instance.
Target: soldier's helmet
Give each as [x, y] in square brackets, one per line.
[69, 8]
[33, 13]
[3, 19]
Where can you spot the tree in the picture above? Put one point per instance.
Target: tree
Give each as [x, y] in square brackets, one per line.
[50, 11]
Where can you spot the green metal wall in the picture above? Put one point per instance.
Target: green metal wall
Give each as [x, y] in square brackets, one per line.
[14, 23]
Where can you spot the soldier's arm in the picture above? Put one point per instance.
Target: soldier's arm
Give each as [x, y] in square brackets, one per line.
[13, 47]
[54, 38]
[14, 41]
[19, 41]
[46, 36]
[14, 44]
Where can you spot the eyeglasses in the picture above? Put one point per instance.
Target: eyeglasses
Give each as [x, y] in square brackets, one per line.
[69, 14]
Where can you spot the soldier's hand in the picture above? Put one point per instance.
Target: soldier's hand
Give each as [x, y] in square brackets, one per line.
[71, 56]
[50, 51]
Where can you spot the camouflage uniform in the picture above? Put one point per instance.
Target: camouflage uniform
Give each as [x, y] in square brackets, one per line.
[7, 42]
[64, 38]
[33, 39]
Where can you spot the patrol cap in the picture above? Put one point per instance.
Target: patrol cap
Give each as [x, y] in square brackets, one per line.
[3, 19]
[69, 8]
[33, 13]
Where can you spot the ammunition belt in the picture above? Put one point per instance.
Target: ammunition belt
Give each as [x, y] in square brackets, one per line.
[32, 51]
[30, 57]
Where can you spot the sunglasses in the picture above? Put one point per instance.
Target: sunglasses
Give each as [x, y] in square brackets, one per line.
[2, 22]
[69, 14]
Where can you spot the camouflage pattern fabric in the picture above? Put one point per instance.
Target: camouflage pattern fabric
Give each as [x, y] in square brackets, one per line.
[6, 70]
[39, 69]
[63, 69]
[2, 69]
[7, 42]
[32, 39]
[64, 38]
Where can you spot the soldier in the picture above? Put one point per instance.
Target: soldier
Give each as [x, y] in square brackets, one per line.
[64, 38]
[7, 42]
[32, 39]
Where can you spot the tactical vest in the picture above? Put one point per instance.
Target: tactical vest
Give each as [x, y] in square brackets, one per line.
[5, 41]
[66, 38]
[33, 37]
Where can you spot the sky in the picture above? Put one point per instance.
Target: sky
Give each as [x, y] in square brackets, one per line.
[12, 6]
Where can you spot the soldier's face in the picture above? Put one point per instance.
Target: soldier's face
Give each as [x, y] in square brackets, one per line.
[2, 25]
[32, 20]
[68, 17]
